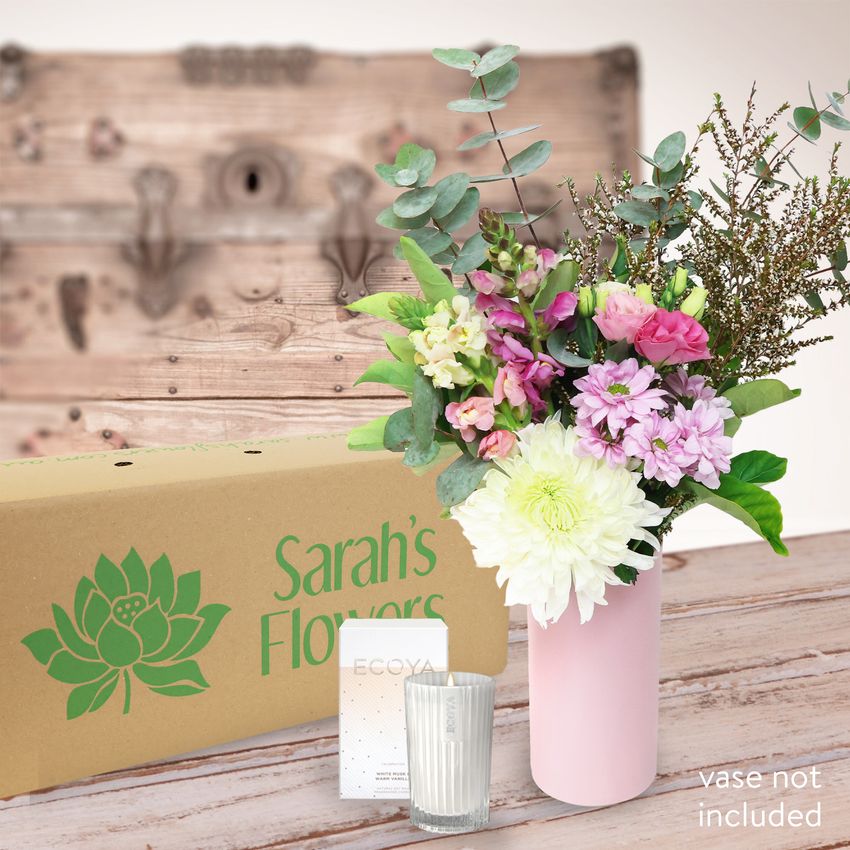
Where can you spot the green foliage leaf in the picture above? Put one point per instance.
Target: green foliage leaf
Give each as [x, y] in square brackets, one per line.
[757, 395]
[66, 667]
[720, 193]
[498, 83]
[212, 615]
[449, 192]
[414, 202]
[518, 219]
[640, 213]
[71, 637]
[529, 159]
[807, 122]
[43, 644]
[391, 372]
[426, 408]
[459, 479]
[556, 345]
[387, 218]
[731, 426]
[645, 192]
[747, 502]
[398, 433]
[434, 284]
[626, 574]
[562, 278]
[668, 179]
[481, 139]
[758, 467]
[412, 162]
[184, 672]
[162, 583]
[409, 312]
[495, 58]
[400, 347]
[109, 579]
[465, 60]
[472, 255]
[669, 151]
[586, 334]
[415, 455]
[429, 239]
[406, 176]
[465, 209]
[835, 121]
[377, 305]
[91, 696]
[473, 104]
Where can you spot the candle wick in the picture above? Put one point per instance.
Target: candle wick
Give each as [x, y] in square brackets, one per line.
[450, 680]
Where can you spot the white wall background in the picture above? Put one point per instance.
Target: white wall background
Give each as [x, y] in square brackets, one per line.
[687, 51]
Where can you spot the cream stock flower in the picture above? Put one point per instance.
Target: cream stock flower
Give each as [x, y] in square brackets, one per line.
[552, 521]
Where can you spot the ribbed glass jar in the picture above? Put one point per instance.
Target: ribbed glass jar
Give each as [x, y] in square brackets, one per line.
[449, 741]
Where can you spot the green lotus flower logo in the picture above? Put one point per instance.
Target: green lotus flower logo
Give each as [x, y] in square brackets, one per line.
[129, 620]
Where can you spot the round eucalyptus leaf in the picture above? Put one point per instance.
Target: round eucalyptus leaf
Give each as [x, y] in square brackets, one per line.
[498, 83]
[472, 104]
[668, 179]
[415, 202]
[406, 176]
[398, 431]
[449, 190]
[482, 139]
[473, 253]
[454, 57]
[466, 208]
[429, 239]
[494, 59]
[556, 345]
[669, 151]
[640, 213]
[530, 159]
[387, 218]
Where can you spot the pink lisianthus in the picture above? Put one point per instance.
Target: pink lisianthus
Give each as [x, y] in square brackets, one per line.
[487, 282]
[476, 412]
[497, 444]
[593, 442]
[624, 315]
[706, 450]
[681, 385]
[617, 393]
[657, 441]
[562, 309]
[672, 337]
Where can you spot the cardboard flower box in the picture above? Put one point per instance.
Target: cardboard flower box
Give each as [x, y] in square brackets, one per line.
[160, 600]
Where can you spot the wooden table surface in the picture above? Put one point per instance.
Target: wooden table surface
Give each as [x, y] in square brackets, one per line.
[755, 676]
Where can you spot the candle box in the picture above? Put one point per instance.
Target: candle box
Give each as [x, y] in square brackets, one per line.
[156, 601]
[375, 656]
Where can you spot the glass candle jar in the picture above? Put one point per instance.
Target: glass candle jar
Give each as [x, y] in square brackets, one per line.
[449, 740]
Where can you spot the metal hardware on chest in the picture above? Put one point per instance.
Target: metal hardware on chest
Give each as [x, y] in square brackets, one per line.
[12, 71]
[351, 248]
[254, 176]
[235, 66]
[156, 251]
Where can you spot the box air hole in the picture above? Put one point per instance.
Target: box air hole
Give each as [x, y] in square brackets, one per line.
[252, 452]
[124, 463]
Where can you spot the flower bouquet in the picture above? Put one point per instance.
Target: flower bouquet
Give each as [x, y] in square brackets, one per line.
[590, 391]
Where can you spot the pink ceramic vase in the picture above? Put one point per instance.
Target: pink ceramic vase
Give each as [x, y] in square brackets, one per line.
[593, 697]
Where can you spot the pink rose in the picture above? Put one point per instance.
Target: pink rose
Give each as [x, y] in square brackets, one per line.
[497, 444]
[466, 416]
[487, 282]
[672, 338]
[624, 315]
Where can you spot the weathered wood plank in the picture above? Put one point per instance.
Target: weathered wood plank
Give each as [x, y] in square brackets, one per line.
[758, 684]
[52, 428]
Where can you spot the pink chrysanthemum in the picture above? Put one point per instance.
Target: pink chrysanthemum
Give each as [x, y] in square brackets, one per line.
[681, 385]
[593, 442]
[706, 450]
[617, 394]
[657, 441]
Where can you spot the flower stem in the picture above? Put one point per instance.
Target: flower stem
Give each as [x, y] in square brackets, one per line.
[508, 166]
[126, 691]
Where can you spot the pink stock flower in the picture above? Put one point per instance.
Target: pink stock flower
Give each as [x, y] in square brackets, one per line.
[624, 315]
[497, 444]
[476, 412]
[705, 449]
[616, 393]
[657, 441]
[593, 442]
[671, 338]
[562, 308]
[681, 385]
[487, 282]
[508, 320]
[521, 381]
[510, 385]
[508, 347]
[546, 259]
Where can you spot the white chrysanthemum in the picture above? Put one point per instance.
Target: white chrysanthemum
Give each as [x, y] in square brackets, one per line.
[550, 520]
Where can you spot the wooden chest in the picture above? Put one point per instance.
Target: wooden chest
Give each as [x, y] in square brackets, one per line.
[180, 232]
